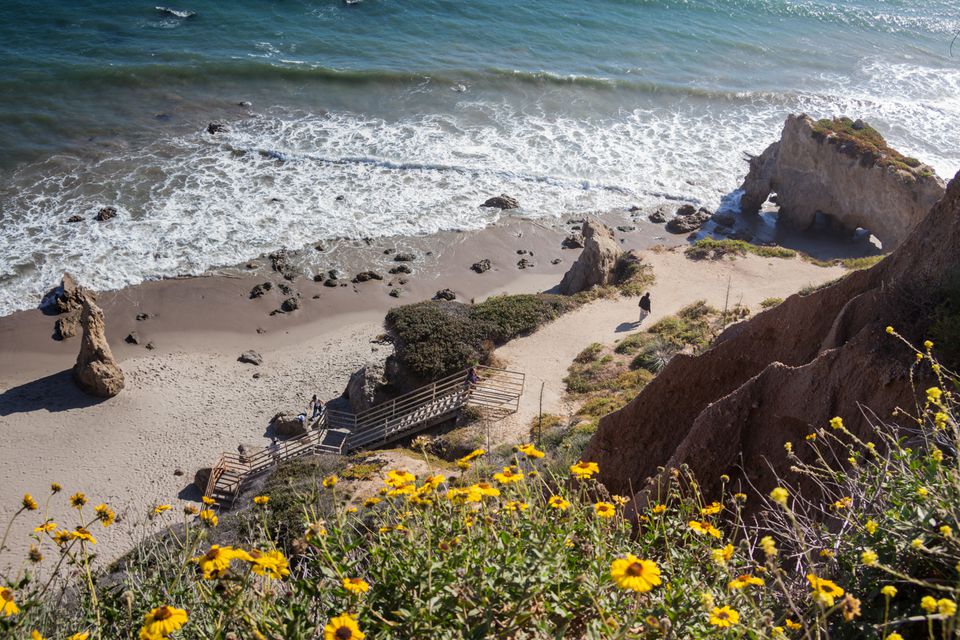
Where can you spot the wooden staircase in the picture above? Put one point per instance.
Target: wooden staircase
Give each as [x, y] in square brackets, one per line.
[497, 391]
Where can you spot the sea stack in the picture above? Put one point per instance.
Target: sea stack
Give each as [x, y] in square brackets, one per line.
[96, 372]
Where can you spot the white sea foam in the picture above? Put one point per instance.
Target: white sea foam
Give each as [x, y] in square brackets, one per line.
[197, 202]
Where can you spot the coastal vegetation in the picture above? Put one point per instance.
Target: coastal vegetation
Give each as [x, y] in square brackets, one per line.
[864, 141]
[858, 541]
[710, 248]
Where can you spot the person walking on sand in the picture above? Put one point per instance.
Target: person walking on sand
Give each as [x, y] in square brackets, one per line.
[644, 307]
[316, 405]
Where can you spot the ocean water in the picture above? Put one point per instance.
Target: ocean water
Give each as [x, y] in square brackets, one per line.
[415, 112]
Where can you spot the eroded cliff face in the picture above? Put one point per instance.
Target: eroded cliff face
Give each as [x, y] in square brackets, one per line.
[784, 373]
[812, 171]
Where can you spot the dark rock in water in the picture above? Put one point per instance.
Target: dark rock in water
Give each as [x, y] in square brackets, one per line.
[394, 293]
[503, 201]
[404, 257]
[280, 262]
[244, 103]
[573, 241]
[132, 338]
[330, 282]
[387, 252]
[333, 273]
[634, 209]
[216, 127]
[75, 218]
[445, 294]
[290, 304]
[364, 276]
[626, 228]
[556, 261]
[523, 263]
[576, 227]
[105, 214]
[279, 156]
[143, 316]
[320, 247]
[724, 219]
[260, 290]
[686, 210]
[251, 357]
[251, 265]
[401, 268]
[175, 13]
[340, 198]
[482, 267]
[319, 277]
[163, 117]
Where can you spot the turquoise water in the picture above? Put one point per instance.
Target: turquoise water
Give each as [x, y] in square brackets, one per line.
[415, 111]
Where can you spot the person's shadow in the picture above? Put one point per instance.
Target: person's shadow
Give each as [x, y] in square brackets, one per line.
[624, 327]
[56, 392]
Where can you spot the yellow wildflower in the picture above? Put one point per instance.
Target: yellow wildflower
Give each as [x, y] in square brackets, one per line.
[29, 503]
[343, 627]
[356, 586]
[779, 495]
[788, 446]
[769, 546]
[927, 344]
[946, 531]
[889, 591]
[514, 505]
[824, 591]
[261, 500]
[893, 636]
[744, 581]
[940, 420]
[928, 604]
[83, 535]
[62, 537]
[77, 500]
[558, 503]
[843, 503]
[917, 543]
[933, 395]
[476, 453]
[660, 508]
[711, 509]
[215, 562]
[850, 607]
[634, 574]
[826, 553]
[208, 501]
[585, 470]
[724, 617]
[922, 492]
[740, 497]
[162, 621]
[530, 451]
[889, 329]
[705, 528]
[8, 608]
[836, 422]
[604, 510]
[620, 500]
[434, 481]
[55, 487]
[160, 508]
[209, 518]
[83, 635]
[271, 564]
[810, 437]
[330, 481]
[793, 626]
[371, 502]
[105, 514]
[946, 607]
[722, 556]
[870, 526]
[46, 527]
[508, 475]
[869, 558]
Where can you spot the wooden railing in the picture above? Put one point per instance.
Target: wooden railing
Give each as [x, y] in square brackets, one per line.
[495, 389]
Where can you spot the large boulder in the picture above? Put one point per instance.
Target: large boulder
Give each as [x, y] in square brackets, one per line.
[845, 170]
[597, 263]
[688, 219]
[363, 388]
[503, 201]
[784, 373]
[96, 371]
[287, 424]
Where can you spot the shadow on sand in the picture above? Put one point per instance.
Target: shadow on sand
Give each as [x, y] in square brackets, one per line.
[54, 393]
[624, 327]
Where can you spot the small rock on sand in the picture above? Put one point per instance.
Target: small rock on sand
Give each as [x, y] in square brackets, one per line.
[445, 294]
[251, 357]
[482, 266]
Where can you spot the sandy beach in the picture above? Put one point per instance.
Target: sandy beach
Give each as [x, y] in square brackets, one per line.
[189, 399]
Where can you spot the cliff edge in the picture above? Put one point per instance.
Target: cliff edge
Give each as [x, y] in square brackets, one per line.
[787, 371]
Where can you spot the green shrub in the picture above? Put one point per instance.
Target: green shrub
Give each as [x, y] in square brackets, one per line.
[768, 303]
[855, 264]
[437, 338]
[715, 249]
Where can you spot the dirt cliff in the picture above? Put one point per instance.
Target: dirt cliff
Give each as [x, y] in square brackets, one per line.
[785, 372]
[844, 169]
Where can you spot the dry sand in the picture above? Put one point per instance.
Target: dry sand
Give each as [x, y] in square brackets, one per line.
[189, 399]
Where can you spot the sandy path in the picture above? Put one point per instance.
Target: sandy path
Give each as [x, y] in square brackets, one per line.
[545, 355]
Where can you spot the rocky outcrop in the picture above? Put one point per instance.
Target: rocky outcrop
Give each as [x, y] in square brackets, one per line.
[364, 386]
[96, 372]
[597, 262]
[688, 219]
[288, 425]
[481, 266]
[843, 170]
[503, 201]
[784, 373]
